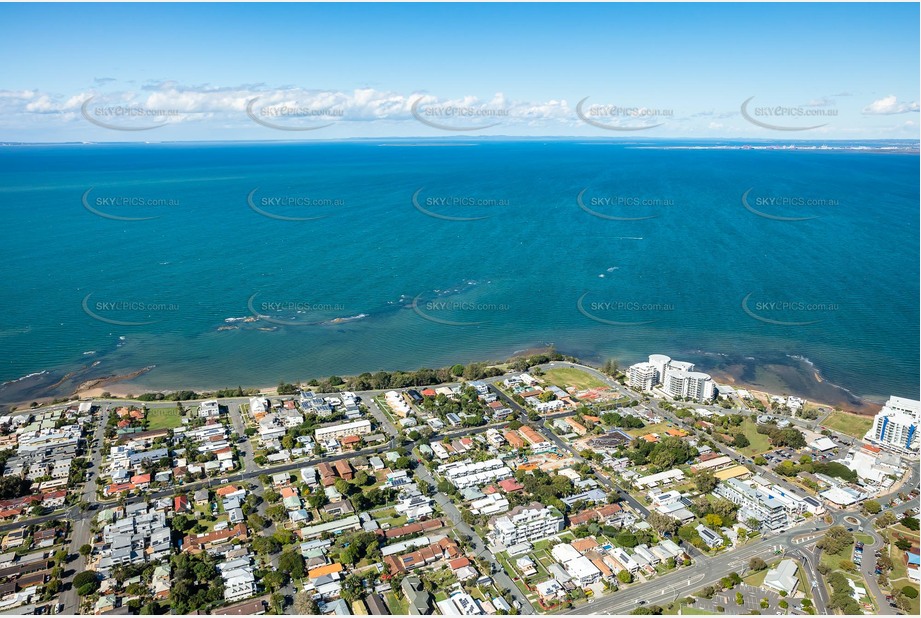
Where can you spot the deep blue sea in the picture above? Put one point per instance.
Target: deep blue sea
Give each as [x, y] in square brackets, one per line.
[406, 254]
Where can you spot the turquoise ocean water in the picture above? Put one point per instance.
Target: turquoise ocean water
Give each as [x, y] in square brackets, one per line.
[660, 254]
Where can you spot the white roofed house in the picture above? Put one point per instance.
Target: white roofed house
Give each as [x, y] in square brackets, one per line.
[782, 577]
[711, 538]
[209, 409]
[258, 405]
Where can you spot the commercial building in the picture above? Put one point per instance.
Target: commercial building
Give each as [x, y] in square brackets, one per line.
[526, 523]
[469, 474]
[356, 428]
[754, 503]
[653, 480]
[782, 577]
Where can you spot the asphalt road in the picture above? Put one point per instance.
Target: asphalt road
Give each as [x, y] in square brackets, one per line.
[80, 531]
[477, 543]
[663, 589]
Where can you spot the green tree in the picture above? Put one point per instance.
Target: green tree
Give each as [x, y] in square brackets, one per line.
[757, 564]
[292, 562]
[714, 520]
[624, 576]
[182, 523]
[886, 519]
[274, 580]
[85, 577]
[705, 482]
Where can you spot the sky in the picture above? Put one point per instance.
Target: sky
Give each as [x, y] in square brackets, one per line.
[163, 72]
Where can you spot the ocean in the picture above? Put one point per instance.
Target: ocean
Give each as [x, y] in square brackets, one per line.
[217, 265]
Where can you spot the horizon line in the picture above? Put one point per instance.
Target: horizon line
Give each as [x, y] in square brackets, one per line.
[468, 138]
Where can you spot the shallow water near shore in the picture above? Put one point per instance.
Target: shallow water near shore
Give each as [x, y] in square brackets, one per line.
[407, 257]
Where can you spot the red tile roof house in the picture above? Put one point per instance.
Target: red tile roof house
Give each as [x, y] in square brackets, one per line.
[22, 502]
[343, 469]
[228, 490]
[351, 442]
[181, 504]
[200, 542]
[514, 439]
[444, 549]
[44, 538]
[327, 475]
[459, 563]
[54, 499]
[117, 488]
[141, 481]
[601, 514]
[510, 485]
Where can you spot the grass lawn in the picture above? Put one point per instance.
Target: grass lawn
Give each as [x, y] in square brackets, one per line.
[756, 579]
[397, 604]
[834, 560]
[866, 539]
[903, 531]
[658, 428]
[163, 418]
[570, 376]
[899, 568]
[804, 586]
[849, 424]
[916, 602]
[759, 442]
[395, 522]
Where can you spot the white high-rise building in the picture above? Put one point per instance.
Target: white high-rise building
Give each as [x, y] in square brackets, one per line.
[660, 362]
[689, 384]
[896, 425]
[643, 375]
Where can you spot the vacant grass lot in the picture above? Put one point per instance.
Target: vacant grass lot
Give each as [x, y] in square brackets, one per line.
[569, 376]
[759, 442]
[850, 424]
[658, 428]
[163, 418]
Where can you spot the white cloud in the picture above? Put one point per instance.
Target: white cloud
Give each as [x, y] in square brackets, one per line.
[890, 105]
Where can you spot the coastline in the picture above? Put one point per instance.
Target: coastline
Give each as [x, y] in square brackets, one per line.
[127, 385]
